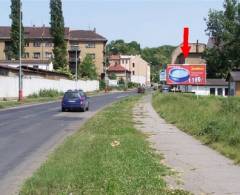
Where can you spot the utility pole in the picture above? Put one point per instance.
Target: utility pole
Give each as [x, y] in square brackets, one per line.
[20, 93]
[76, 67]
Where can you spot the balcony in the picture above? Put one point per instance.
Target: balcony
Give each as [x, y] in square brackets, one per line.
[73, 48]
[73, 59]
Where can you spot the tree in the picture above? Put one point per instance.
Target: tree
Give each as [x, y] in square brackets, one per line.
[120, 47]
[154, 56]
[15, 30]
[223, 28]
[57, 31]
[112, 76]
[87, 68]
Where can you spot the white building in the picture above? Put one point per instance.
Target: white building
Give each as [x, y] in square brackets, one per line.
[138, 68]
[216, 87]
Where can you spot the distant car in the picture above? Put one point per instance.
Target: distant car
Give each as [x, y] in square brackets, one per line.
[75, 100]
[141, 89]
[165, 89]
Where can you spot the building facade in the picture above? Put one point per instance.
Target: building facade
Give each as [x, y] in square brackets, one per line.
[39, 45]
[138, 68]
[195, 54]
[215, 87]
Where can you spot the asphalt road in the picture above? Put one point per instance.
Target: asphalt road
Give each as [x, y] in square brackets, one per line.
[26, 130]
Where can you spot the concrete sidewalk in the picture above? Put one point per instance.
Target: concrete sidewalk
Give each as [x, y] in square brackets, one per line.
[201, 170]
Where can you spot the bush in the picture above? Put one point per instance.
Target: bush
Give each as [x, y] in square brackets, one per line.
[102, 84]
[46, 93]
[132, 85]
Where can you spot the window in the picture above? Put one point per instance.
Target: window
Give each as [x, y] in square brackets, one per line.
[36, 44]
[36, 55]
[26, 44]
[35, 66]
[226, 91]
[26, 55]
[220, 91]
[48, 44]
[212, 91]
[90, 45]
[133, 65]
[133, 72]
[92, 55]
[48, 55]
[122, 61]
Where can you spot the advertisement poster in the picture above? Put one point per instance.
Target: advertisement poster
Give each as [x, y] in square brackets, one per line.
[186, 74]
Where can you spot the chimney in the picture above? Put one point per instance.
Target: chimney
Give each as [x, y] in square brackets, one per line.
[94, 30]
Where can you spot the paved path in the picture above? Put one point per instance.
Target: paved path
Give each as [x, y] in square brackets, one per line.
[201, 169]
[29, 133]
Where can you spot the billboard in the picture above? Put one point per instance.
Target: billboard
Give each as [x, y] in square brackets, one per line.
[186, 74]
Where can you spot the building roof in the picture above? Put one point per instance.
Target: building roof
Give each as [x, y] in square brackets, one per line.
[235, 75]
[44, 33]
[31, 32]
[27, 69]
[114, 57]
[117, 68]
[86, 35]
[216, 82]
[32, 62]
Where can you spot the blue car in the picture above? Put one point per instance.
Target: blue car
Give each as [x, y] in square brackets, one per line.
[75, 100]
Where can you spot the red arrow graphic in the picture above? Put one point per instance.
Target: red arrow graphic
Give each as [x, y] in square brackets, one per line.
[185, 48]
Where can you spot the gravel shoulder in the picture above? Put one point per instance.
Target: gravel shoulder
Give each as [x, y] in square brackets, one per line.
[200, 169]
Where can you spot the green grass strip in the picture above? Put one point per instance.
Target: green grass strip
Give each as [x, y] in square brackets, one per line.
[107, 156]
[213, 120]
[13, 103]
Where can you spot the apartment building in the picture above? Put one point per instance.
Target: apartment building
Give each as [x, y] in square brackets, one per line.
[138, 68]
[39, 46]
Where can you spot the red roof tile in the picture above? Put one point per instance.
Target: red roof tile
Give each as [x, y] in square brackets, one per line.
[117, 68]
[31, 32]
[86, 35]
[44, 32]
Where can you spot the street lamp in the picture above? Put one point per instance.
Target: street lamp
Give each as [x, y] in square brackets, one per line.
[20, 93]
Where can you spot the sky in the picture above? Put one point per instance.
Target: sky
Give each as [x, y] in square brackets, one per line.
[152, 23]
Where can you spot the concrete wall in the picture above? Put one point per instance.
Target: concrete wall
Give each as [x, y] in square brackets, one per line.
[140, 79]
[9, 85]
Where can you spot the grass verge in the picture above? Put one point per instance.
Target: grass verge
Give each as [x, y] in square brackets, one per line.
[213, 120]
[107, 156]
[13, 103]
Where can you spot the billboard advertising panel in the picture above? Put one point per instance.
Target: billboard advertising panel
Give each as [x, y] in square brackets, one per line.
[186, 74]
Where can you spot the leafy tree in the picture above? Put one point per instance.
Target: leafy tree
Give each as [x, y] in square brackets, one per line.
[87, 68]
[154, 56]
[66, 71]
[120, 47]
[15, 30]
[223, 28]
[57, 31]
[112, 76]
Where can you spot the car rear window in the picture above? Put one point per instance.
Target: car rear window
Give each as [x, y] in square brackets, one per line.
[71, 95]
